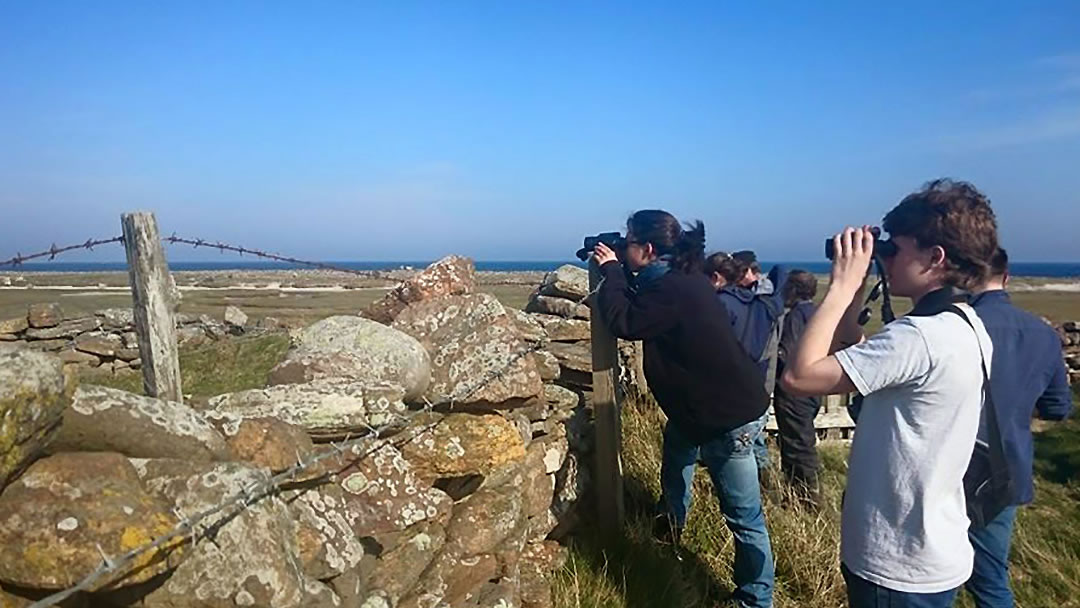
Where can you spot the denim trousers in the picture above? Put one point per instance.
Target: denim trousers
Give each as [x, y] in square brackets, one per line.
[733, 468]
[864, 594]
[989, 582]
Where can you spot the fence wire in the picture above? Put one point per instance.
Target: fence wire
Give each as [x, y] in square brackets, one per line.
[187, 525]
[223, 247]
[18, 259]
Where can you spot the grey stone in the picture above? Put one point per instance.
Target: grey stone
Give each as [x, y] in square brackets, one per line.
[357, 349]
[327, 545]
[566, 281]
[105, 345]
[557, 306]
[561, 329]
[102, 419]
[65, 329]
[14, 326]
[476, 351]
[235, 317]
[325, 409]
[577, 357]
[547, 364]
[452, 275]
[117, 318]
[79, 358]
[529, 327]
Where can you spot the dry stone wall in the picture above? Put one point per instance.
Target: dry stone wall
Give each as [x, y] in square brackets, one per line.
[459, 502]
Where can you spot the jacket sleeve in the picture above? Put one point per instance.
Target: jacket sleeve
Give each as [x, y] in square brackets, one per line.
[1056, 401]
[646, 314]
[778, 275]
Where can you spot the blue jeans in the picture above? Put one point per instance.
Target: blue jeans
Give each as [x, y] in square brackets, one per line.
[862, 593]
[734, 472]
[989, 582]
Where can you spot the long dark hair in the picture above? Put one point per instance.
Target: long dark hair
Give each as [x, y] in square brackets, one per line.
[686, 246]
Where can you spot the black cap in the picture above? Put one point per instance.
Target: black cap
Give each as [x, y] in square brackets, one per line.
[745, 256]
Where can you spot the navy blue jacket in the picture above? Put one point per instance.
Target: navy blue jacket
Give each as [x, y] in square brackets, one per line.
[1027, 374]
[753, 316]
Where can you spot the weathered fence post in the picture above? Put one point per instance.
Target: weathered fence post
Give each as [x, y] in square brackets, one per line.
[607, 413]
[154, 303]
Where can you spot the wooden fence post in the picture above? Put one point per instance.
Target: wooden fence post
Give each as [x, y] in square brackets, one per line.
[154, 303]
[607, 414]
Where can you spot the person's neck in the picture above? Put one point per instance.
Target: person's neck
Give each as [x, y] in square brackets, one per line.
[991, 285]
[930, 288]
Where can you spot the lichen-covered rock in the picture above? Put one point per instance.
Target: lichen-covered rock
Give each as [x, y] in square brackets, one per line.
[538, 561]
[382, 490]
[575, 356]
[476, 351]
[34, 391]
[325, 409]
[560, 398]
[74, 357]
[398, 570]
[502, 593]
[102, 419]
[547, 364]
[572, 482]
[560, 329]
[13, 326]
[117, 318]
[54, 517]
[327, 545]
[251, 557]
[103, 345]
[452, 275]
[449, 579]
[64, 329]
[566, 281]
[557, 306]
[265, 442]
[235, 317]
[44, 315]
[460, 445]
[357, 349]
[529, 327]
[485, 519]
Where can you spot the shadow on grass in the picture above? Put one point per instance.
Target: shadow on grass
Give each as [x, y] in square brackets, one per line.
[647, 572]
[1057, 452]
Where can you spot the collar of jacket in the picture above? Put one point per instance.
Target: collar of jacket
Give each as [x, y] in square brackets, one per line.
[938, 300]
[993, 295]
[743, 294]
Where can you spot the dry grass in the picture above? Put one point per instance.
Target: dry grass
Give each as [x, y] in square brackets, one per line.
[636, 572]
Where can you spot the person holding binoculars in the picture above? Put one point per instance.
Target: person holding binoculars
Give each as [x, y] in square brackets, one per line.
[904, 520]
[701, 377]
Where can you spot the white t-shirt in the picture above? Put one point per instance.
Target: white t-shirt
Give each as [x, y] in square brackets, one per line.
[904, 522]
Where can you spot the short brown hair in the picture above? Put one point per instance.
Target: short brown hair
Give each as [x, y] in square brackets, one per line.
[955, 216]
[800, 285]
[999, 264]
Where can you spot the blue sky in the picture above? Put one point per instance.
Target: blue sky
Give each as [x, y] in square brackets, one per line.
[507, 130]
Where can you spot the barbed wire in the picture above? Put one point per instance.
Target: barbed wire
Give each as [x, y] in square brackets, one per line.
[18, 259]
[188, 524]
[223, 247]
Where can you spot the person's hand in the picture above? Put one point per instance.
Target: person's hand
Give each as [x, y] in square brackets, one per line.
[604, 254]
[854, 249]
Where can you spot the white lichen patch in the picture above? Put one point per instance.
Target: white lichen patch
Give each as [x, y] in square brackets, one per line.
[68, 524]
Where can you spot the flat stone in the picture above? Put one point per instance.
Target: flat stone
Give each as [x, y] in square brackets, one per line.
[560, 329]
[577, 357]
[325, 409]
[560, 398]
[105, 345]
[79, 358]
[54, 518]
[557, 306]
[117, 318]
[547, 365]
[451, 578]
[44, 315]
[65, 329]
[14, 326]
[8, 338]
[34, 392]
[529, 327]
[397, 571]
[267, 442]
[476, 351]
[127, 354]
[327, 545]
[48, 345]
[104, 419]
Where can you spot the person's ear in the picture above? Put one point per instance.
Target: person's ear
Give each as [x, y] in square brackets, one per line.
[1005, 280]
[937, 256]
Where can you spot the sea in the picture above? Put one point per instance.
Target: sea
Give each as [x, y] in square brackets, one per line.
[1018, 269]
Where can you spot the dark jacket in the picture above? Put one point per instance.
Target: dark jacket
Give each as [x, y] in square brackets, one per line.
[700, 375]
[753, 316]
[794, 324]
[1027, 375]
